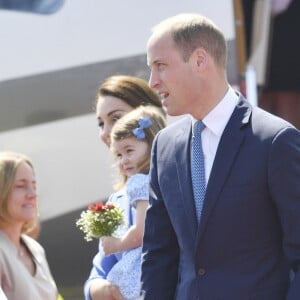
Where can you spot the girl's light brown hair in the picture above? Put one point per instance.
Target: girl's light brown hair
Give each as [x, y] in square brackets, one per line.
[124, 127]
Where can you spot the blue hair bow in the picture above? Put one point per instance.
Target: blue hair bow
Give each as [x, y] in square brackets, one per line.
[144, 122]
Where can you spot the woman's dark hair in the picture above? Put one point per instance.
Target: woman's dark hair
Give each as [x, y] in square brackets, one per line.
[132, 90]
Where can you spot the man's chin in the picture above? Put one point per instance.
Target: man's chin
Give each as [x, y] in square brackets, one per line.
[171, 112]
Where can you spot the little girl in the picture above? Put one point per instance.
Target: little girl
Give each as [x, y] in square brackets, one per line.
[131, 142]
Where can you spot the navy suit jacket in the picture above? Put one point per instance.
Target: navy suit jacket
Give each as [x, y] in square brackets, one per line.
[248, 239]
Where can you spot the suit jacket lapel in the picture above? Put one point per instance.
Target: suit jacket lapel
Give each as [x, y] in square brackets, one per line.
[228, 148]
[182, 155]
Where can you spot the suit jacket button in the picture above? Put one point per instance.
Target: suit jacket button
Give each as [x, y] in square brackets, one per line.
[201, 272]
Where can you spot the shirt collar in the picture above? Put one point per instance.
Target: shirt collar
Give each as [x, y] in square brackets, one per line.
[219, 116]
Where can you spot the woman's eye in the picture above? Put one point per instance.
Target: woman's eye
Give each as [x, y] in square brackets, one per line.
[101, 124]
[20, 186]
[115, 119]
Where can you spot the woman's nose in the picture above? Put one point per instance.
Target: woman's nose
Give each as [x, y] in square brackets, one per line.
[104, 134]
[32, 192]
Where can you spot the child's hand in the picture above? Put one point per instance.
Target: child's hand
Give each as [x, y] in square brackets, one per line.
[110, 244]
[103, 290]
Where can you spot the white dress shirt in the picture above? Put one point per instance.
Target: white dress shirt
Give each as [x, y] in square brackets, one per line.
[215, 122]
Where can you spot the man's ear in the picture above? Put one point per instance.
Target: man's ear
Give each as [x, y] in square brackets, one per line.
[200, 56]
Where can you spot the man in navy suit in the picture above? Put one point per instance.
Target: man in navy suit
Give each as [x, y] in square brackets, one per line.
[247, 241]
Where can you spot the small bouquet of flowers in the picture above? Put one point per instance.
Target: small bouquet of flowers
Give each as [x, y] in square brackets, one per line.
[100, 220]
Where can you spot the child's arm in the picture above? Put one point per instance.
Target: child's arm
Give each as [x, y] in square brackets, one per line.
[134, 235]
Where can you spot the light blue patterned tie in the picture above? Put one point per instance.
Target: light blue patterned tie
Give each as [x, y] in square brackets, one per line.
[197, 168]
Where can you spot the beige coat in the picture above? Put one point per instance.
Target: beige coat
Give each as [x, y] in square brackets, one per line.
[16, 281]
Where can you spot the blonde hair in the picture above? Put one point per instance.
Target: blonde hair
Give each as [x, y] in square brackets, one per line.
[124, 127]
[9, 164]
[192, 31]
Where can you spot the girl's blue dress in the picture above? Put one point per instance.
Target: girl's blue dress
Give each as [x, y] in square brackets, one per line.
[126, 272]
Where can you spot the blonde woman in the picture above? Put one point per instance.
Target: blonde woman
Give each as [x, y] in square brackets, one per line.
[24, 271]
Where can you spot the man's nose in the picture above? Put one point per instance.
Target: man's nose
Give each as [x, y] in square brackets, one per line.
[153, 80]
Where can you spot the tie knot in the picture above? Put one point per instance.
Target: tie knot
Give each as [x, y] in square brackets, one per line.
[198, 127]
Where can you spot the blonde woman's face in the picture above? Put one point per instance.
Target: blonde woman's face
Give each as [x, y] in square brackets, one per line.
[109, 109]
[22, 201]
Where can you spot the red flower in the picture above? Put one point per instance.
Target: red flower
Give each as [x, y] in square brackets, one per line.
[100, 220]
[110, 206]
[99, 206]
[96, 207]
